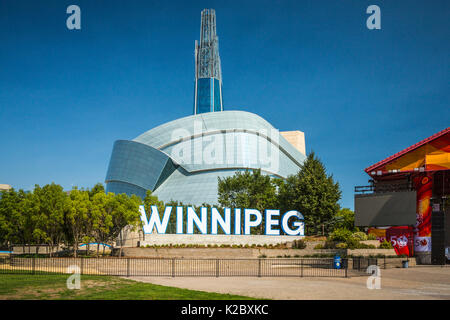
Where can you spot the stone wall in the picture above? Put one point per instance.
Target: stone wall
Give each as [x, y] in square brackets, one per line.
[242, 253]
[373, 252]
[222, 253]
[207, 239]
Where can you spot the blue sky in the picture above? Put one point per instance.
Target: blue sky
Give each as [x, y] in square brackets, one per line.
[359, 95]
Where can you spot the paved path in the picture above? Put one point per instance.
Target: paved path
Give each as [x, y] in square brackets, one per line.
[422, 282]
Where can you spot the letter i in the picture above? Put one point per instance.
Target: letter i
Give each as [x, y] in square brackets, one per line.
[179, 220]
[237, 221]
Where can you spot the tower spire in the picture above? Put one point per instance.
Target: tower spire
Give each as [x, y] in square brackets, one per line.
[208, 71]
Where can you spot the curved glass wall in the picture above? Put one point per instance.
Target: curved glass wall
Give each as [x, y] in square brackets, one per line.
[182, 159]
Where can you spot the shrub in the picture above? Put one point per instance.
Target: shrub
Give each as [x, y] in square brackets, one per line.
[385, 245]
[361, 236]
[371, 236]
[340, 234]
[318, 246]
[341, 245]
[353, 243]
[298, 244]
[330, 244]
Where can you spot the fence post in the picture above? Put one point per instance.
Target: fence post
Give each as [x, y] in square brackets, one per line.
[128, 267]
[33, 264]
[81, 265]
[301, 259]
[217, 268]
[384, 261]
[259, 268]
[173, 267]
[346, 267]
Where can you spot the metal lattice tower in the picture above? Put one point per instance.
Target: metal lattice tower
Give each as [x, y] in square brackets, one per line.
[208, 71]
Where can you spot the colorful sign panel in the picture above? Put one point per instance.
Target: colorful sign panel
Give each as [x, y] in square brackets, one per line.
[401, 238]
[422, 230]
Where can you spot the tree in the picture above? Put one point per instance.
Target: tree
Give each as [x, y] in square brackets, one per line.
[77, 217]
[101, 217]
[125, 214]
[16, 217]
[313, 193]
[89, 236]
[98, 188]
[4, 223]
[53, 205]
[344, 219]
[248, 189]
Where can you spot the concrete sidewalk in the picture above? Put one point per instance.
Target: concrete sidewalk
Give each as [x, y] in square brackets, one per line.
[422, 282]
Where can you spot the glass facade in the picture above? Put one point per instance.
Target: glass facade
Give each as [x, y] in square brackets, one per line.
[209, 93]
[187, 169]
[217, 96]
[138, 164]
[123, 187]
[204, 95]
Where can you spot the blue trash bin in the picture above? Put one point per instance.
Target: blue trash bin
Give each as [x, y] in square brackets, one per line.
[337, 262]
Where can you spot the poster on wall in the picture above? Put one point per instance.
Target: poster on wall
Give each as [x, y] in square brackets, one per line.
[402, 240]
[379, 233]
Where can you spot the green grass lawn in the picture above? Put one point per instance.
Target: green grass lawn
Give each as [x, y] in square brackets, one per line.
[18, 287]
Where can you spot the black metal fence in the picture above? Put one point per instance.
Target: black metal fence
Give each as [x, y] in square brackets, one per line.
[173, 267]
[362, 263]
[380, 188]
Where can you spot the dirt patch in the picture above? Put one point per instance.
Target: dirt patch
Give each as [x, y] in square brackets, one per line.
[59, 290]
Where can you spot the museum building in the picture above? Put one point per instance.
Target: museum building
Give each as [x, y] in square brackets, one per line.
[181, 160]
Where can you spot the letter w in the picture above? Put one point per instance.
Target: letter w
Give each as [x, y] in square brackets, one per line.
[155, 219]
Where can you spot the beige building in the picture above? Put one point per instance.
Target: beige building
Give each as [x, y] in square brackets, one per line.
[4, 187]
[296, 138]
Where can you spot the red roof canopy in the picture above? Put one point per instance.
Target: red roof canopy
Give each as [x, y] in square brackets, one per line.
[397, 155]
